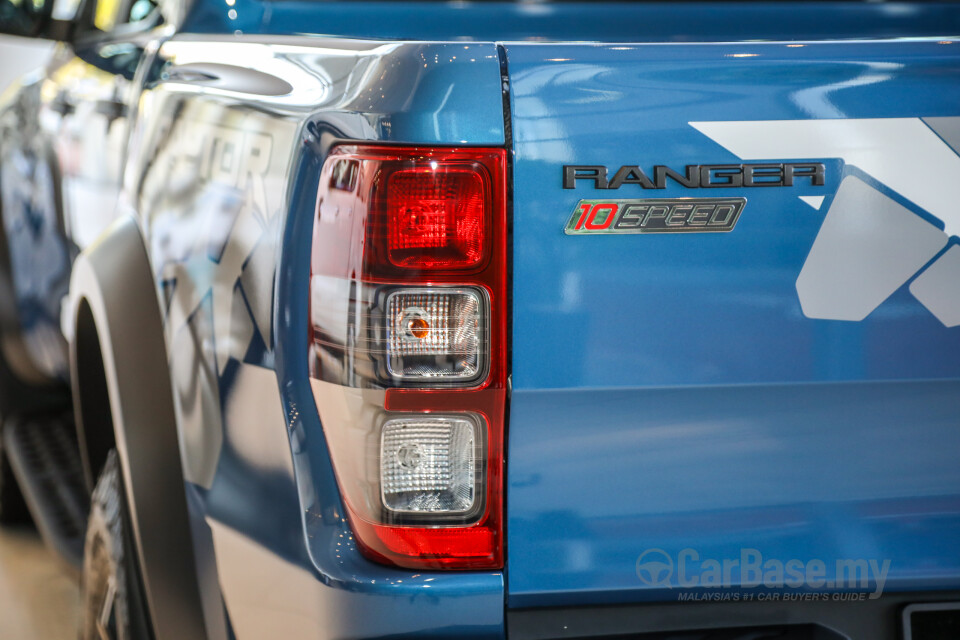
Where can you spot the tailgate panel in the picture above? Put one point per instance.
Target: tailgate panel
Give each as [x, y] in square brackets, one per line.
[790, 386]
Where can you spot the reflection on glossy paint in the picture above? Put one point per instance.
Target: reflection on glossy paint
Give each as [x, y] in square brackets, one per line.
[820, 101]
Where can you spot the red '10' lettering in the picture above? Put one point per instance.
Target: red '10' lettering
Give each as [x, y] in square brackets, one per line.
[609, 208]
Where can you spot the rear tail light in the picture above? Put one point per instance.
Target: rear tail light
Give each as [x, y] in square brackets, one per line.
[432, 465]
[436, 218]
[408, 348]
[436, 333]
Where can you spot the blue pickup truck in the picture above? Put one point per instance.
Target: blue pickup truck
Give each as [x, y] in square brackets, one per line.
[531, 320]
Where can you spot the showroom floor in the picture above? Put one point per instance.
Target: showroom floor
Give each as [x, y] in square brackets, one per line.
[38, 594]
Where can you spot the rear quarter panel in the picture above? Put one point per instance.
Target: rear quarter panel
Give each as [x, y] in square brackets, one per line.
[231, 136]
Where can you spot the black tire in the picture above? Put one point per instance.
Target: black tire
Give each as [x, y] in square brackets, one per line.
[111, 607]
[13, 507]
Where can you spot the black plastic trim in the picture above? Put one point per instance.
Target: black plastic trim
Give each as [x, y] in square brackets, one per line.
[878, 619]
[114, 303]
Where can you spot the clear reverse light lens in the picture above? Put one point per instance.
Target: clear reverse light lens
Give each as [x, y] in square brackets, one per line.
[436, 333]
[429, 465]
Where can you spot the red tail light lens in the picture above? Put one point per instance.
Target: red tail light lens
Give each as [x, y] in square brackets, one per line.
[408, 348]
[443, 548]
[436, 216]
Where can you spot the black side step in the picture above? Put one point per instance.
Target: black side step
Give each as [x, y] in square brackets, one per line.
[45, 458]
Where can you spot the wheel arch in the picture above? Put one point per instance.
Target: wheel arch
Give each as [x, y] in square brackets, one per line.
[123, 397]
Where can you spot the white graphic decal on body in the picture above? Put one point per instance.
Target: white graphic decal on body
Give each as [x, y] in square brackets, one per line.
[814, 201]
[869, 245]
